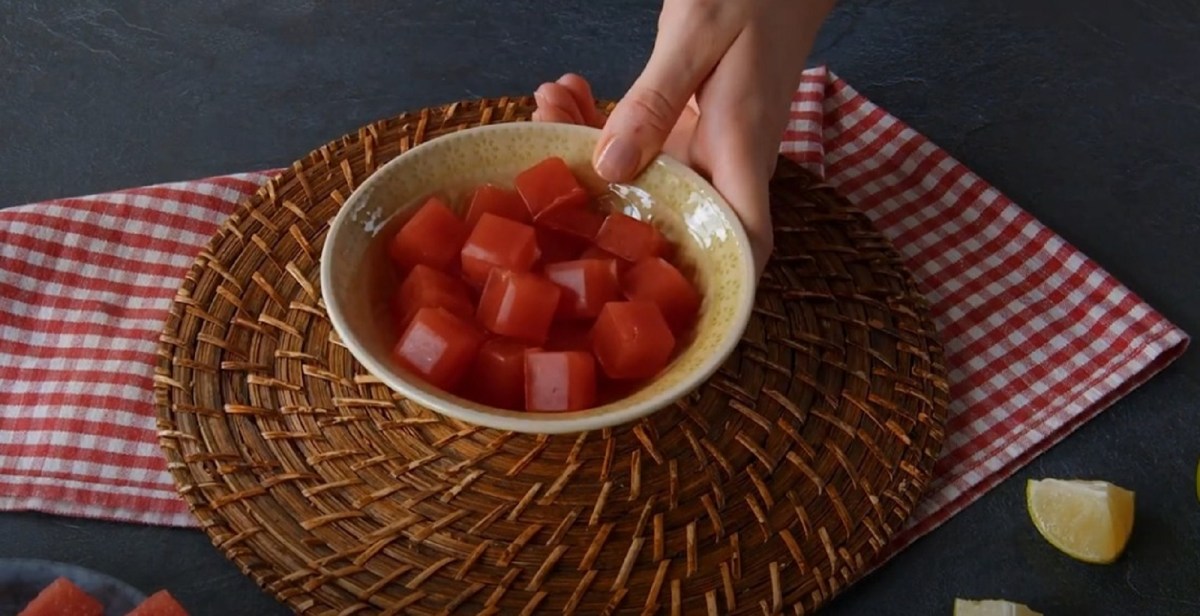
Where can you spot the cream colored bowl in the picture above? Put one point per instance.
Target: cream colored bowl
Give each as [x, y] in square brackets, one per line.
[357, 279]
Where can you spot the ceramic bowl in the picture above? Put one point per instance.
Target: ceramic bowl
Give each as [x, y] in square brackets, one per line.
[22, 579]
[357, 278]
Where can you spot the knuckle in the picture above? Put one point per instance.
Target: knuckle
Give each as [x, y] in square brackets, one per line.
[707, 11]
[700, 162]
[765, 245]
[697, 10]
[762, 238]
[704, 16]
[652, 109]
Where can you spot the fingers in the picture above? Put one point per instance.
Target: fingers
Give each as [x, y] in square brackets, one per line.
[744, 109]
[568, 100]
[739, 174]
[555, 103]
[581, 92]
[734, 143]
[692, 37]
[551, 115]
[679, 143]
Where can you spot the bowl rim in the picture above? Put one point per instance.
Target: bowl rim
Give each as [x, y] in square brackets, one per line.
[90, 580]
[526, 421]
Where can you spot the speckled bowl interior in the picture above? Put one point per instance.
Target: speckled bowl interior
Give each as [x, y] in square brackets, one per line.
[356, 278]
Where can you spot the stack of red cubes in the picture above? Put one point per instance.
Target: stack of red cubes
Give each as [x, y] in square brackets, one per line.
[537, 299]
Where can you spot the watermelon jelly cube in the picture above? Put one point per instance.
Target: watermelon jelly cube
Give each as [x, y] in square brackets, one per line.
[555, 246]
[160, 603]
[439, 347]
[491, 199]
[596, 252]
[570, 335]
[559, 380]
[62, 597]
[582, 223]
[632, 340]
[519, 305]
[498, 376]
[587, 284]
[433, 236]
[658, 281]
[549, 186]
[498, 242]
[629, 238]
[425, 287]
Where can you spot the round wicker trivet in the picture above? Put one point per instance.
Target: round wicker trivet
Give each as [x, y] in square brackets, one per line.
[769, 490]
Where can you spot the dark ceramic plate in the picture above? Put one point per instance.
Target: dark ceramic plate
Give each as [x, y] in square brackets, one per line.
[21, 580]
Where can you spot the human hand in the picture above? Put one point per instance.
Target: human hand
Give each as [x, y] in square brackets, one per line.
[715, 94]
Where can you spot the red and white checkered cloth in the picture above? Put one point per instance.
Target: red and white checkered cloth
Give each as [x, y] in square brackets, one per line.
[1038, 338]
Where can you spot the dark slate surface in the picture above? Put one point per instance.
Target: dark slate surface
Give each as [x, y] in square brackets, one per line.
[1086, 113]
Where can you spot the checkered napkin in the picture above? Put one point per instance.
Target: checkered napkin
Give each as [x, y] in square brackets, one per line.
[1038, 338]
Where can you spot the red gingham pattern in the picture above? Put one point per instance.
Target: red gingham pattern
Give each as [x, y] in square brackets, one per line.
[1038, 338]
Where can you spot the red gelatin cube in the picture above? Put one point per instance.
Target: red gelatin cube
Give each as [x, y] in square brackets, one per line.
[576, 222]
[433, 236]
[548, 186]
[629, 238]
[425, 287]
[596, 252]
[490, 199]
[570, 336]
[658, 281]
[160, 603]
[559, 380]
[587, 284]
[498, 376]
[439, 347]
[60, 598]
[632, 340]
[498, 242]
[555, 246]
[519, 305]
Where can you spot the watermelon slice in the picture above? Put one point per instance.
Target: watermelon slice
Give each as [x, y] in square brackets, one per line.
[63, 598]
[160, 603]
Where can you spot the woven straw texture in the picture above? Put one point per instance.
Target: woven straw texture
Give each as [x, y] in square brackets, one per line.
[769, 490]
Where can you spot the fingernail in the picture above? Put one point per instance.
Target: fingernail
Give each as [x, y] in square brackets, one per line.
[618, 160]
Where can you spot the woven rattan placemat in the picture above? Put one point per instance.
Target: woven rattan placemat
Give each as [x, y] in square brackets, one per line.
[768, 490]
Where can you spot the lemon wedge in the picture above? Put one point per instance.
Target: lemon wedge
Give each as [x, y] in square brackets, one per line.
[1087, 520]
[991, 607]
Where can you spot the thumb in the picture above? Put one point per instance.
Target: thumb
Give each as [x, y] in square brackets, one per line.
[690, 42]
